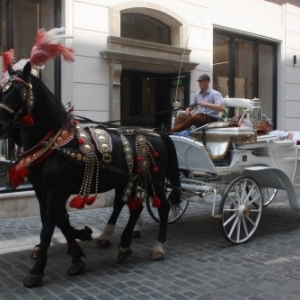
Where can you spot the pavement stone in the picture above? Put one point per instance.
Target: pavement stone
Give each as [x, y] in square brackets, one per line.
[200, 264]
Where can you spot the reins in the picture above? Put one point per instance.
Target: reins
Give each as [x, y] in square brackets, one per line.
[87, 120]
[122, 172]
[47, 142]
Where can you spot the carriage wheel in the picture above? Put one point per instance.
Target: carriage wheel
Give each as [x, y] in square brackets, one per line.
[241, 210]
[176, 211]
[269, 195]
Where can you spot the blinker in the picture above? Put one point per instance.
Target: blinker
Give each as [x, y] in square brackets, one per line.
[6, 86]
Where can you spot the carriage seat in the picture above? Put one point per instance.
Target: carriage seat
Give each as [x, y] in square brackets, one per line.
[219, 136]
[219, 139]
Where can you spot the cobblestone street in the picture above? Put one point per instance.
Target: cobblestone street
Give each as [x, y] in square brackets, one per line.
[200, 263]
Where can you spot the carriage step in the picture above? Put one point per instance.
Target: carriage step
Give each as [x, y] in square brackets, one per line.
[218, 216]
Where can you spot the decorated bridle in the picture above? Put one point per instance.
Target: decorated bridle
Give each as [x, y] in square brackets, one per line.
[46, 47]
[26, 95]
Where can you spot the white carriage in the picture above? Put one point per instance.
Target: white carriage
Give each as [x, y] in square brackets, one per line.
[236, 165]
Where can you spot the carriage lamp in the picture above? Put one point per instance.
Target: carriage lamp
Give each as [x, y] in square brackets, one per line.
[256, 114]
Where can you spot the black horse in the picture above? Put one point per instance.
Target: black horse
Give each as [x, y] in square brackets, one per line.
[64, 159]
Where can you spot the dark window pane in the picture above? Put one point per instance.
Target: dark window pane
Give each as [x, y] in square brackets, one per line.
[266, 70]
[221, 64]
[26, 18]
[243, 69]
[3, 25]
[25, 24]
[141, 27]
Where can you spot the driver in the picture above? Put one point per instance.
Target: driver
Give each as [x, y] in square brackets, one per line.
[207, 103]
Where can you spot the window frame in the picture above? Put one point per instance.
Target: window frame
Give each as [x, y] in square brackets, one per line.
[9, 32]
[256, 41]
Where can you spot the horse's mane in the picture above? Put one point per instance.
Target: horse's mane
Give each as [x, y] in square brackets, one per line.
[58, 111]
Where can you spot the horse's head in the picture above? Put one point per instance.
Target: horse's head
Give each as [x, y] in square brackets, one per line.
[16, 99]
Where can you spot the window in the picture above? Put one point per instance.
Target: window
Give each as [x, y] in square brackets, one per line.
[245, 67]
[142, 27]
[20, 20]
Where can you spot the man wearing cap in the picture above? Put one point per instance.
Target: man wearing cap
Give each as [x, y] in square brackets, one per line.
[208, 103]
[265, 126]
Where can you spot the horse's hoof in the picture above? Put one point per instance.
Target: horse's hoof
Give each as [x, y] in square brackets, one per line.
[76, 269]
[35, 252]
[136, 234]
[88, 233]
[124, 253]
[32, 281]
[104, 243]
[156, 256]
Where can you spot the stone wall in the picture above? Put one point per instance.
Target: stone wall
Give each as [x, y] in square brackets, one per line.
[25, 204]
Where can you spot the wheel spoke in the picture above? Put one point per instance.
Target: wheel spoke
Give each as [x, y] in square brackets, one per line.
[176, 211]
[238, 220]
[250, 220]
[230, 219]
[233, 226]
[233, 201]
[245, 226]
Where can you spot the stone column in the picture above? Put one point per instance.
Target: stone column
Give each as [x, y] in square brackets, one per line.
[115, 90]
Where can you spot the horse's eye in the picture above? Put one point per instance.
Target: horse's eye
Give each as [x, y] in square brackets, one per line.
[24, 94]
[6, 86]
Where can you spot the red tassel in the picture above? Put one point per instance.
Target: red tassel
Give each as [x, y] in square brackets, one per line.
[156, 202]
[15, 177]
[155, 169]
[23, 171]
[27, 120]
[89, 200]
[77, 202]
[133, 203]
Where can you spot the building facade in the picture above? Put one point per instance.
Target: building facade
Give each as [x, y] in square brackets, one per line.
[133, 59]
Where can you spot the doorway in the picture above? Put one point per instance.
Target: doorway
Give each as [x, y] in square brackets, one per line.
[147, 98]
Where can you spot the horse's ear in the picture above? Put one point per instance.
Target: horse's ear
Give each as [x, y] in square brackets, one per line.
[10, 70]
[27, 69]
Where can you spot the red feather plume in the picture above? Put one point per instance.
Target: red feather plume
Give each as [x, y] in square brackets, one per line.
[47, 46]
[7, 58]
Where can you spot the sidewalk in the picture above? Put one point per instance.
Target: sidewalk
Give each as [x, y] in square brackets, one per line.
[200, 263]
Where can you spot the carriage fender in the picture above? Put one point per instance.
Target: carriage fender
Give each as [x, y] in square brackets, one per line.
[274, 178]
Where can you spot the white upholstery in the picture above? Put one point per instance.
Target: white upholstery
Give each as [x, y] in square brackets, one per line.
[238, 102]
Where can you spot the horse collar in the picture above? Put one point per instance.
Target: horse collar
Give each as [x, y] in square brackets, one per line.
[38, 153]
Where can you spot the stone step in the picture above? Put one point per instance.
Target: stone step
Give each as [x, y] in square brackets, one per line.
[25, 204]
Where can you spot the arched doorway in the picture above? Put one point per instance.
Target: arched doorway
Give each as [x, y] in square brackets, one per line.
[146, 55]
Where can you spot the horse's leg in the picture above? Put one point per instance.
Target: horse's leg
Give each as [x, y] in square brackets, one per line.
[55, 216]
[158, 252]
[43, 207]
[84, 234]
[125, 244]
[103, 239]
[75, 251]
[34, 278]
[136, 230]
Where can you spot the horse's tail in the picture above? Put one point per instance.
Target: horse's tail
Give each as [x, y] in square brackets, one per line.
[173, 174]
